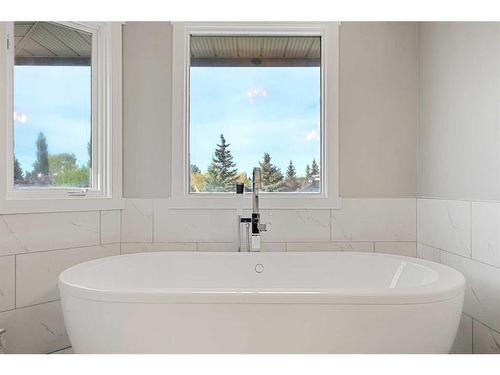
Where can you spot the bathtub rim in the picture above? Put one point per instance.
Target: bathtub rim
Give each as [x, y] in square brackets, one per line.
[450, 284]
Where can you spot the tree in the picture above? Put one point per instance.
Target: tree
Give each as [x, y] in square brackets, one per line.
[291, 182]
[198, 182]
[41, 165]
[247, 182]
[59, 162]
[195, 169]
[272, 178]
[18, 171]
[66, 172]
[308, 172]
[314, 168]
[221, 174]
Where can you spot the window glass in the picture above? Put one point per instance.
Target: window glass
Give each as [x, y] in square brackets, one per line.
[52, 106]
[255, 101]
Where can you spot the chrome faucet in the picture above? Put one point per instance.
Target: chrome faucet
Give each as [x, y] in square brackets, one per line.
[253, 234]
[257, 226]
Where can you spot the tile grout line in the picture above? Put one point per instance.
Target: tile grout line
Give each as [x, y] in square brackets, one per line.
[120, 233]
[100, 227]
[470, 228]
[15, 281]
[153, 221]
[458, 255]
[472, 335]
[330, 218]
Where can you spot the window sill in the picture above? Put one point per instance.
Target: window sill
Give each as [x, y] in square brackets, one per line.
[231, 201]
[23, 206]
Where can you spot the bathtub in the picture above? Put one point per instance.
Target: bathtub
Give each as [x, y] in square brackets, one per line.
[314, 302]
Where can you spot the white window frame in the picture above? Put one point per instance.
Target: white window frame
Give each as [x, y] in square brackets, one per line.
[329, 196]
[106, 192]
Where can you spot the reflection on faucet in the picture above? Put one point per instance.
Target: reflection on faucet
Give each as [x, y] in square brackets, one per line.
[253, 238]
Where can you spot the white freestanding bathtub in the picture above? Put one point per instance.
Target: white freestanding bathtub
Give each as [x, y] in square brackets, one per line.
[314, 302]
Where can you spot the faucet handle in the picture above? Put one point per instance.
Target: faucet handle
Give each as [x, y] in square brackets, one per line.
[263, 227]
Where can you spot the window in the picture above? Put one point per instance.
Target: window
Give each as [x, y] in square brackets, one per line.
[247, 95]
[52, 106]
[255, 100]
[62, 123]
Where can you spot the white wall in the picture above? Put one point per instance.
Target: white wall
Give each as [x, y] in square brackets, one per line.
[459, 149]
[147, 109]
[459, 168]
[377, 109]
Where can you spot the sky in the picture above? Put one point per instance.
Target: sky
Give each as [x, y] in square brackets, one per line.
[55, 100]
[258, 109]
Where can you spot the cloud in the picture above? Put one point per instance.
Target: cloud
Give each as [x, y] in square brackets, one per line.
[312, 135]
[253, 93]
[20, 117]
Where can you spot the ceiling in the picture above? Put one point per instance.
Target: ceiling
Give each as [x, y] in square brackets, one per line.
[255, 50]
[48, 43]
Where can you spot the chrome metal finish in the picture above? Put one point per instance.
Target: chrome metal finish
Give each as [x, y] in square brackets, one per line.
[253, 225]
[256, 186]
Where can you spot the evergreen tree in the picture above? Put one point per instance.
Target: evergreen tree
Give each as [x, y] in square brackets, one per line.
[308, 171]
[272, 178]
[314, 168]
[292, 183]
[41, 165]
[221, 174]
[18, 171]
[195, 169]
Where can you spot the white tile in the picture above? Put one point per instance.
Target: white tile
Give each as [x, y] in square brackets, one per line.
[463, 340]
[273, 246]
[232, 246]
[110, 226]
[192, 225]
[330, 246]
[296, 225]
[486, 232]
[37, 273]
[130, 248]
[137, 220]
[445, 224]
[374, 220]
[35, 329]
[482, 293]
[486, 340]
[9, 242]
[7, 282]
[428, 253]
[50, 231]
[408, 249]
[217, 246]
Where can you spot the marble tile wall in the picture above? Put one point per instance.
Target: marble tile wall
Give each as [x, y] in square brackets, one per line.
[34, 249]
[465, 235]
[376, 225]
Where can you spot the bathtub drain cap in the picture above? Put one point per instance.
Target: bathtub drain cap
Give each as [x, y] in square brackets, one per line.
[259, 268]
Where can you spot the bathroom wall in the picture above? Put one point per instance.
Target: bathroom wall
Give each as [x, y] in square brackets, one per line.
[378, 121]
[378, 109]
[458, 207]
[34, 249]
